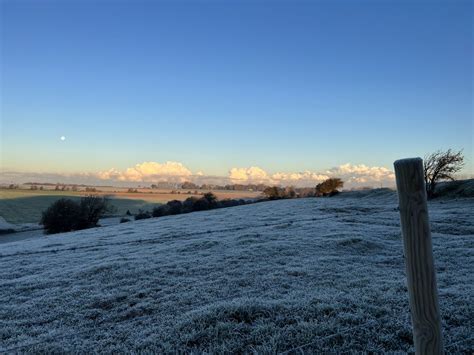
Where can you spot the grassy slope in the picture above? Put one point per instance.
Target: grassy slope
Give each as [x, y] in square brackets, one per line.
[319, 274]
[25, 206]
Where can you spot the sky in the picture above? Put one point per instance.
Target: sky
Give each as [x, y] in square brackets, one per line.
[243, 89]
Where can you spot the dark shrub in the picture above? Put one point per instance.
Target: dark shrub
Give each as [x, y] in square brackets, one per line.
[174, 207]
[211, 199]
[229, 203]
[142, 215]
[124, 220]
[66, 215]
[92, 209]
[61, 216]
[188, 204]
[201, 204]
[273, 192]
[160, 211]
[7, 231]
[329, 187]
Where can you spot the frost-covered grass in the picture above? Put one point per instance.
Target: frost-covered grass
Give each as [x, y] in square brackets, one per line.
[309, 275]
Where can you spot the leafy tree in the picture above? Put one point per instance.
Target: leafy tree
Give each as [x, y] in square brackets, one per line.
[273, 192]
[441, 165]
[187, 185]
[329, 187]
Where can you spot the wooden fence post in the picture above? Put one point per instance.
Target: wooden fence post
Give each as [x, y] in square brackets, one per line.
[422, 289]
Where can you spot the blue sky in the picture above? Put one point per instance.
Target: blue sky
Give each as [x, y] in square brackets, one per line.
[285, 86]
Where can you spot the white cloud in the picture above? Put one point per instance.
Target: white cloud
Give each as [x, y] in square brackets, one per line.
[352, 175]
[148, 172]
[305, 178]
[363, 174]
[175, 172]
[252, 175]
[256, 175]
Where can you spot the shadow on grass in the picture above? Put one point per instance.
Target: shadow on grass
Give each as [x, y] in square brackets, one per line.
[29, 209]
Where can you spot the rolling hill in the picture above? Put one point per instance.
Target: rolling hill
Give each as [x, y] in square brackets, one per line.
[289, 276]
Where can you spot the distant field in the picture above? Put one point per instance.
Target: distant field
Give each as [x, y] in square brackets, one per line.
[25, 206]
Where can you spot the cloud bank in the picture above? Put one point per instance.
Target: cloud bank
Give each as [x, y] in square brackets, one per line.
[149, 172]
[176, 172]
[353, 175]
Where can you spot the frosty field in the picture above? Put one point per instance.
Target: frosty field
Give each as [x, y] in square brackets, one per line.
[304, 275]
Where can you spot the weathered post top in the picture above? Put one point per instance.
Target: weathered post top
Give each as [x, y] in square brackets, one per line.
[409, 177]
[422, 289]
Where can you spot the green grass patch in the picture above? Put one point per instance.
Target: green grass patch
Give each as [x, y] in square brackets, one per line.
[19, 207]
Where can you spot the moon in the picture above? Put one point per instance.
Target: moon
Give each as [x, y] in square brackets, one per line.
[63, 138]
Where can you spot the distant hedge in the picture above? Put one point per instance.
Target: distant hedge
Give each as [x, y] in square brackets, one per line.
[208, 201]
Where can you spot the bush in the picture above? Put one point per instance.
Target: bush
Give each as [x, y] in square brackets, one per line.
[201, 204]
[92, 209]
[229, 203]
[124, 220]
[66, 215]
[142, 215]
[61, 216]
[188, 204]
[329, 187]
[211, 199]
[160, 211]
[174, 207]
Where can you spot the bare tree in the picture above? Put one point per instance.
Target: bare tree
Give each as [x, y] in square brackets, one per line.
[441, 166]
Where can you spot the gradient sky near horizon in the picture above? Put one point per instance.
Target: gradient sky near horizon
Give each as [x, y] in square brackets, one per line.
[286, 86]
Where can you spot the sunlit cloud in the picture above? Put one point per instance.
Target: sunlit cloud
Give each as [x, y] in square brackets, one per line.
[251, 175]
[305, 178]
[176, 173]
[352, 175]
[363, 174]
[149, 172]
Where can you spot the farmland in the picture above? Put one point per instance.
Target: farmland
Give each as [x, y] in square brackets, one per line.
[24, 205]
